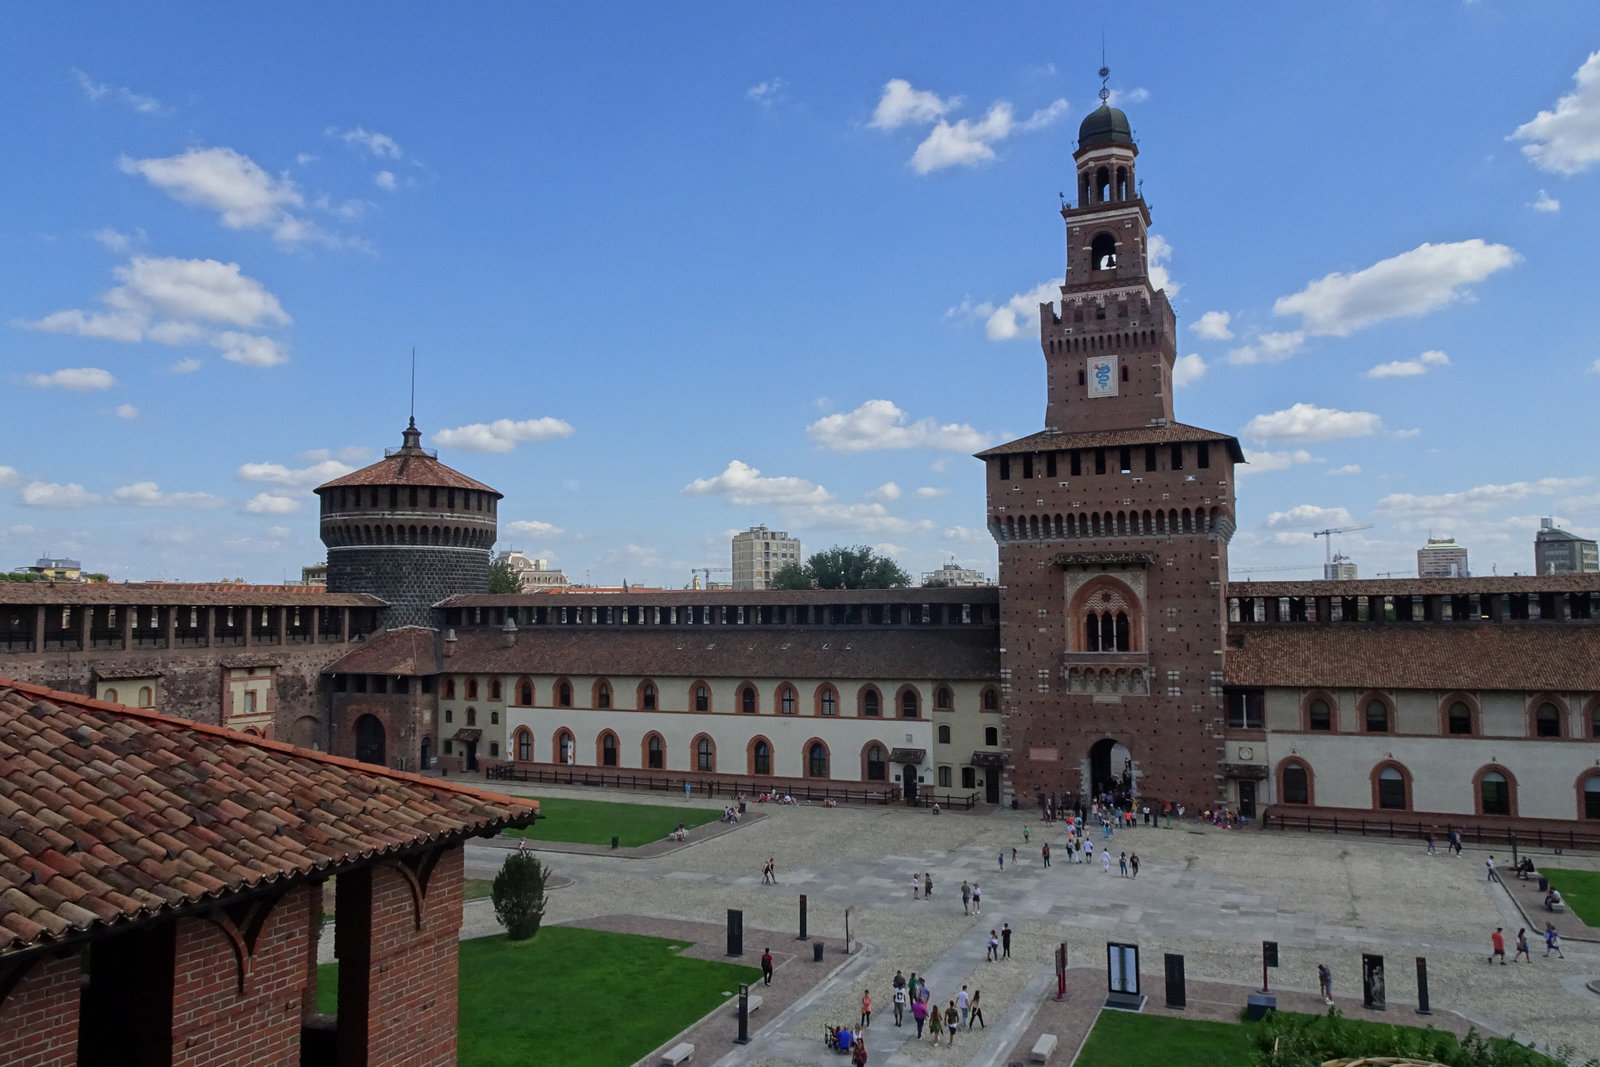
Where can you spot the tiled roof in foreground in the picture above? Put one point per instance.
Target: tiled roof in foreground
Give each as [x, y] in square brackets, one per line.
[1522, 657]
[109, 815]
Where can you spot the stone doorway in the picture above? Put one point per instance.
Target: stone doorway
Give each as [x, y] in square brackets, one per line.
[370, 742]
[1110, 767]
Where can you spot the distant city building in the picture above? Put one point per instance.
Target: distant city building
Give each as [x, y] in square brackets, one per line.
[1556, 551]
[60, 570]
[758, 553]
[1342, 569]
[952, 574]
[316, 574]
[1441, 557]
[535, 573]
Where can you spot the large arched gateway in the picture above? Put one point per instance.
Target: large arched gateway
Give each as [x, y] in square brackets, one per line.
[370, 745]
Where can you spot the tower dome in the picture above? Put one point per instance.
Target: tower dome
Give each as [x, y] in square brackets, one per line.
[1104, 125]
[408, 529]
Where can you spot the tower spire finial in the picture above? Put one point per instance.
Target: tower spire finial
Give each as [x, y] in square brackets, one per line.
[1105, 71]
[413, 387]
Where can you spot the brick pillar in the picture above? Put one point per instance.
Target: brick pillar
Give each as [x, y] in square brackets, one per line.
[85, 625]
[39, 1017]
[283, 626]
[211, 627]
[38, 629]
[344, 625]
[128, 615]
[249, 627]
[169, 631]
[316, 626]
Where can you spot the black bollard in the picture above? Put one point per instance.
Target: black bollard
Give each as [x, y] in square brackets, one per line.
[1422, 986]
[744, 1015]
[613, 840]
[735, 932]
[802, 936]
[1176, 993]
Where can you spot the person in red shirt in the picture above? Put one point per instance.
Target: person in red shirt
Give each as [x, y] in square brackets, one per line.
[866, 1009]
[1498, 941]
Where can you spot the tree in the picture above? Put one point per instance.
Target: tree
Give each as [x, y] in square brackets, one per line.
[936, 583]
[842, 568]
[518, 895]
[503, 579]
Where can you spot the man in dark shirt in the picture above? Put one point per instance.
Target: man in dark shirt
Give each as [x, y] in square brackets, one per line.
[1005, 941]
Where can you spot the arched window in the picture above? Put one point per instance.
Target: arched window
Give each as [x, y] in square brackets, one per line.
[1547, 721]
[1296, 784]
[472, 689]
[1319, 716]
[655, 752]
[991, 700]
[944, 734]
[1392, 789]
[1458, 719]
[869, 703]
[702, 698]
[564, 694]
[494, 748]
[943, 699]
[647, 696]
[1591, 797]
[747, 699]
[494, 718]
[1594, 720]
[494, 689]
[1091, 632]
[991, 736]
[705, 755]
[909, 708]
[1122, 623]
[817, 760]
[147, 696]
[449, 716]
[828, 701]
[1377, 717]
[110, 696]
[1494, 793]
[525, 692]
[449, 688]
[878, 769]
[786, 700]
[524, 745]
[602, 694]
[472, 716]
[1103, 250]
[564, 747]
[761, 758]
[608, 749]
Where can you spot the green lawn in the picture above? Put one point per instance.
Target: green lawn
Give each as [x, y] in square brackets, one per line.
[1123, 1038]
[594, 822]
[476, 888]
[1580, 890]
[584, 998]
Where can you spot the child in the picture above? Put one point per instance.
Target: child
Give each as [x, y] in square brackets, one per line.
[1552, 940]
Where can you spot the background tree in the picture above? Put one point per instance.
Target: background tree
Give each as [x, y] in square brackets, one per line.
[936, 583]
[518, 895]
[503, 579]
[789, 576]
[842, 568]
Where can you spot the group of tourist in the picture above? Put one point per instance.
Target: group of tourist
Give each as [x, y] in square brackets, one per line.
[1497, 944]
[962, 1012]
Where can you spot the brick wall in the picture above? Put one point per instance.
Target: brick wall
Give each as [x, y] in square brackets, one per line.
[39, 1018]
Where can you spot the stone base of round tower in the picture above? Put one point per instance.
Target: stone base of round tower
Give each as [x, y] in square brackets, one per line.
[411, 579]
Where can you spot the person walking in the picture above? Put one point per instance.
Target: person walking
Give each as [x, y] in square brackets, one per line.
[1002, 860]
[766, 874]
[966, 898]
[1105, 861]
[1005, 940]
[1122, 861]
[993, 955]
[1024, 835]
[977, 899]
[916, 887]
[858, 1052]
[919, 1014]
[927, 885]
[1522, 946]
[952, 1022]
[964, 1002]
[1088, 849]
[766, 967]
[935, 1022]
[1552, 940]
[866, 1008]
[1488, 866]
[1455, 842]
[1432, 850]
[1046, 853]
[977, 1009]
[1133, 861]
[899, 998]
[1497, 943]
[1325, 983]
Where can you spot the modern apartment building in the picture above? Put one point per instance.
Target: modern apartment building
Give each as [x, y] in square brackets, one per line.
[758, 553]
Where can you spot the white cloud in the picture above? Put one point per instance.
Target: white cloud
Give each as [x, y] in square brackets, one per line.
[1156, 264]
[535, 528]
[879, 424]
[127, 411]
[901, 104]
[1119, 97]
[886, 491]
[1308, 515]
[1264, 462]
[8, 477]
[301, 478]
[502, 435]
[270, 503]
[802, 501]
[1545, 202]
[631, 555]
[1410, 284]
[1567, 140]
[1268, 348]
[384, 179]
[249, 349]
[1306, 423]
[78, 379]
[929, 492]
[233, 185]
[1187, 369]
[1005, 322]
[379, 145]
[97, 91]
[1408, 368]
[1348, 468]
[186, 366]
[968, 143]
[965, 533]
[940, 465]
[304, 159]
[113, 239]
[149, 495]
[1478, 499]
[348, 454]
[1213, 326]
[54, 495]
[769, 92]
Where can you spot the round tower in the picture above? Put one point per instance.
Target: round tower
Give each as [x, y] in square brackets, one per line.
[410, 530]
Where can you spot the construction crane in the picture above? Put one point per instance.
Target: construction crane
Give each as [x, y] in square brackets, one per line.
[708, 572]
[1269, 570]
[1328, 533]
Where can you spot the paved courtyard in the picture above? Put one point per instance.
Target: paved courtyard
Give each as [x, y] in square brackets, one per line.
[1213, 895]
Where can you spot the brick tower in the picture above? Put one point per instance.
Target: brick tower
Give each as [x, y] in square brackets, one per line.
[410, 530]
[1113, 525]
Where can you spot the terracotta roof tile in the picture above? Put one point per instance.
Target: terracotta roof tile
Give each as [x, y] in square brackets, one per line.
[165, 813]
[181, 594]
[1504, 583]
[963, 594]
[1172, 433]
[407, 466]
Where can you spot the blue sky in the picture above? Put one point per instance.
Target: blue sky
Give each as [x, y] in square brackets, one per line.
[674, 270]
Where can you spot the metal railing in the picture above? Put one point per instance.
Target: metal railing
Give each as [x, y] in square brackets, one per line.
[1471, 833]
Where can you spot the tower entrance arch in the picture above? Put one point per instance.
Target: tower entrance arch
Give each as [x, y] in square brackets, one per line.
[1110, 767]
[370, 741]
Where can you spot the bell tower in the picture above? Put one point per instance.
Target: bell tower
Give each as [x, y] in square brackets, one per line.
[1113, 525]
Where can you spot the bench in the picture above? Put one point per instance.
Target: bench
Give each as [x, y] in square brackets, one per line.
[1558, 906]
[679, 1053]
[1044, 1048]
[754, 1002]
